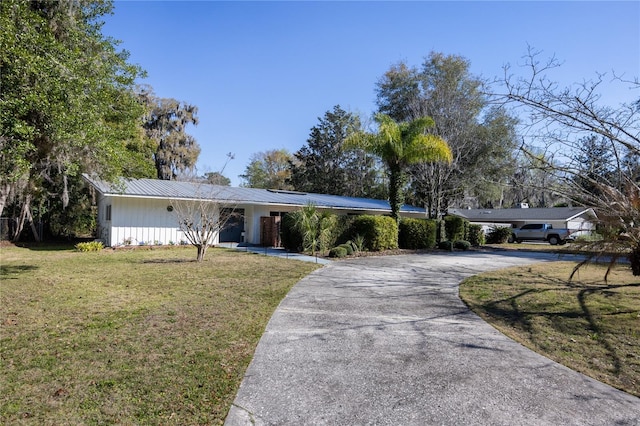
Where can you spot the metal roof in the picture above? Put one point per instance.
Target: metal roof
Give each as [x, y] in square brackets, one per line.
[523, 214]
[154, 188]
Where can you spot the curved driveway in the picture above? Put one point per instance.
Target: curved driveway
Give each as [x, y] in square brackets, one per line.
[387, 341]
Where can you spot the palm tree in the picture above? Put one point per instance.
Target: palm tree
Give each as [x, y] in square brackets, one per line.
[399, 145]
[315, 227]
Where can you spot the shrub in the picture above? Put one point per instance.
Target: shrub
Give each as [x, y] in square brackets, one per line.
[476, 235]
[379, 232]
[343, 229]
[358, 243]
[455, 227]
[417, 233]
[90, 246]
[462, 245]
[499, 234]
[339, 251]
[348, 247]
[445, 245]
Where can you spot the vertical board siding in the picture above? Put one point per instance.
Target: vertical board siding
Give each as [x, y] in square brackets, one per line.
[143, 221]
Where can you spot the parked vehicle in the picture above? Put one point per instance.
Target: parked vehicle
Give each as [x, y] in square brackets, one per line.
[540, 232]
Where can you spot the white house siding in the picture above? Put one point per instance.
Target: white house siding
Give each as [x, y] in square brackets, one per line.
[139, 221]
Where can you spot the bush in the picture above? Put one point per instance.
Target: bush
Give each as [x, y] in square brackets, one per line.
[339, 251]
[358, 243]
[445, 245]
[455, 227]
[343, 230]
[348, 247]
[475, 235]
[499, 234]
[90, 246]
[379, 232]
[311, 228]
[417, 234]
[462, 245]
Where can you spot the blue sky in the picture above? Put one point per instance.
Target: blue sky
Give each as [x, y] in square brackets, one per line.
[261, 73]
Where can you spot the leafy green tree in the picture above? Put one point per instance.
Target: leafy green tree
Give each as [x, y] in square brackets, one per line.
[399, 145]
[269, 170]
[67, 103]
[165, 124]
[482, 138]
[322, 166]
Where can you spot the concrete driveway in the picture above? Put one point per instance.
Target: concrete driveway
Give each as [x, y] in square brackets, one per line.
[387, 341]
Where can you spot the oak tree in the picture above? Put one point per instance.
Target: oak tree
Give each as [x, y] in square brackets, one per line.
[166, 124]
[67, 104]
[269, 170]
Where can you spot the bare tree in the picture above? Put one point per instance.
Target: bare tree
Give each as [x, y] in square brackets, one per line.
[532, 183]
[202, 218]
[204, 215]
[561, 121]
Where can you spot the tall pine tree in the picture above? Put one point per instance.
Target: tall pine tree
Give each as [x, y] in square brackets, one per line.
[323, 166]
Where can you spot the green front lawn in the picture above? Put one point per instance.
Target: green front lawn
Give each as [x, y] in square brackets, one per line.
[131, 337]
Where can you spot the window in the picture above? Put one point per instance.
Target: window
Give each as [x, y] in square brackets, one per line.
[107, 213]
[533, 226]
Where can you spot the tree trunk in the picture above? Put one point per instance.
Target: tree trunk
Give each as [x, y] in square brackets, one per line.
[396, 196]
[634, 259]
[25, 214]
[5, 188]
[36, 234]
[202, 249]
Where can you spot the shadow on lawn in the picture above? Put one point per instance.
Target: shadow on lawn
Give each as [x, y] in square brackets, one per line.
[522, 318]
[48, 246]
[7, 270]
[595, 326]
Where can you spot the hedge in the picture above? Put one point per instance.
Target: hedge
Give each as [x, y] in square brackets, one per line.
[455, 227]
[475, 235]
[379, 232]
[417, 233]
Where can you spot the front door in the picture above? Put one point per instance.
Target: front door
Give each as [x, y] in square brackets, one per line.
[232, 232]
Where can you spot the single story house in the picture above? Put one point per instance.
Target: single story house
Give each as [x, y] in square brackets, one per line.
[141, 211]
[580, 220]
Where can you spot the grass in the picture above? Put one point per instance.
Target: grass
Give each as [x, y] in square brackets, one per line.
[588, 325]
[131, 337]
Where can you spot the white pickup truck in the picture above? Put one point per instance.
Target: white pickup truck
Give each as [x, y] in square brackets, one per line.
[540, 232]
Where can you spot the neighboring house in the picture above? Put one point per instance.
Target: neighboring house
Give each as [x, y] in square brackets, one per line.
[141, 211]
[580, 220]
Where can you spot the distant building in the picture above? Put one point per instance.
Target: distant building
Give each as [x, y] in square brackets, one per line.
[580, 220]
